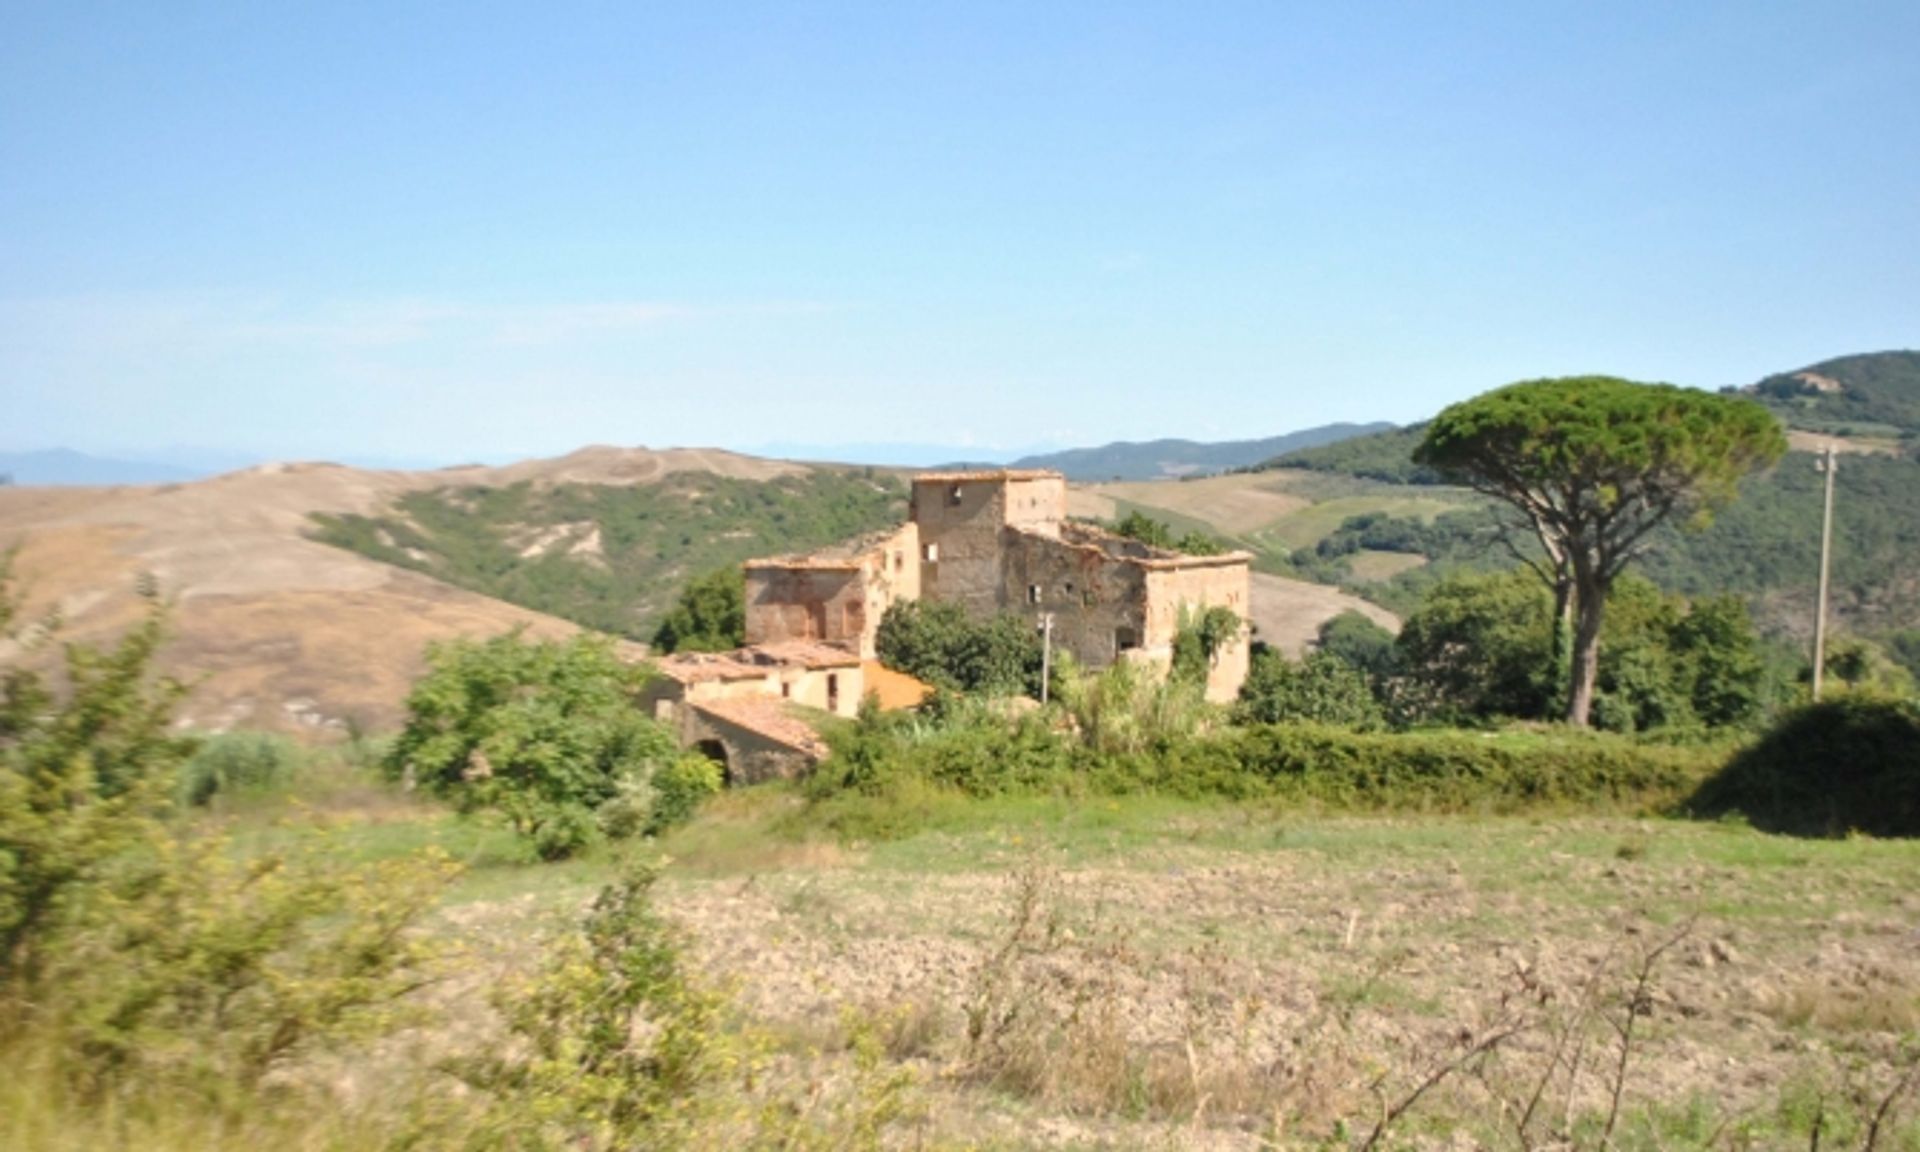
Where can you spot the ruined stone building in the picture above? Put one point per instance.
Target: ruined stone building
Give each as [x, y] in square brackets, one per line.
[1000, 541]
[991, 541]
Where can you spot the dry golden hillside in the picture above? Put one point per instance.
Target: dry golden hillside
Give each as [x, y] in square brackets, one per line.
[276, 630]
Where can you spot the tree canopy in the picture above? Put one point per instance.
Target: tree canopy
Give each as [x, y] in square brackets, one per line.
[1593, 465]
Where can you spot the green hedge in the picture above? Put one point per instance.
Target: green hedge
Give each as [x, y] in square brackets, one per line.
[1446, 771]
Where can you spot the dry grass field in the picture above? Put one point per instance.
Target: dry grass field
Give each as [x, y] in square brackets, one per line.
[1146, 973]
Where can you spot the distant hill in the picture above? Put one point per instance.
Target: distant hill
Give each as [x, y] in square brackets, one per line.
[1164, 459]
[1386, 456]
[606, 551]
[275, 629]
[63, 466]
[1766, 545]
[1874, 395]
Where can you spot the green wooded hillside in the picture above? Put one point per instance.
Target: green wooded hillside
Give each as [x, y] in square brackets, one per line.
[612, 557]
[1879, 394]
[1765, 546]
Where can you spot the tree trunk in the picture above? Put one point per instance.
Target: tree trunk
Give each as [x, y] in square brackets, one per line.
[1589, 603]
[1562, 639]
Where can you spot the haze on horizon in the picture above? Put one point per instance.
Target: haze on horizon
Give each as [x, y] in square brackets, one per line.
[379, 232]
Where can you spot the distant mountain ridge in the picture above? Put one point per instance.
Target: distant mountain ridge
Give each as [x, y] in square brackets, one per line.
[65, 467]
[1168, 459]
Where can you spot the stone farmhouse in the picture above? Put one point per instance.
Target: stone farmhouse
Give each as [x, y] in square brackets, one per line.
[991, 541]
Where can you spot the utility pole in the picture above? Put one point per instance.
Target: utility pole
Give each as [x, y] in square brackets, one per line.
[1046, 654]
[1829, 463]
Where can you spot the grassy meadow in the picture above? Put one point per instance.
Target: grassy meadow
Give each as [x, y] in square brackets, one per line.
[1146, 972]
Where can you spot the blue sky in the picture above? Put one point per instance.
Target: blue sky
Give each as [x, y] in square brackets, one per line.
[467, 231]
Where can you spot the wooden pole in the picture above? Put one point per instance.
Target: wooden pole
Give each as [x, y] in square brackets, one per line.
[1829, 465]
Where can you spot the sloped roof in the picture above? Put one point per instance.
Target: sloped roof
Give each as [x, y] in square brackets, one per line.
[754, 662]
[770, 718]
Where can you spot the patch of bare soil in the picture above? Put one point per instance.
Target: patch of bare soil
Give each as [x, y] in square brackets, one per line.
[1205, 1000]
[1288, 613]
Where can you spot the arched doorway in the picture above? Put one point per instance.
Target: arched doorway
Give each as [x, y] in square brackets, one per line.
[716, 751]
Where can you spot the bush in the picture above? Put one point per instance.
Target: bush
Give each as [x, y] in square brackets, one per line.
[1848, 763]
[679, 787]
[237, 764]
[710, 614]
[887, 777]
[619, 1042]
[543, 732]
[141, 961]
[939, 643]
[1322, 689]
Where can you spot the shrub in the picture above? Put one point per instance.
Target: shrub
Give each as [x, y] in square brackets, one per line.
[543, 732]
[1850, 762]
[621, 1044]
[710, 614]
[679, 787]
[940, 644]
[237, 764]
[890, 777]
[1322, 689]
[136, 960]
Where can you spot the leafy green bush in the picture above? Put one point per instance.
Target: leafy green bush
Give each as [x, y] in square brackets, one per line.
[679, 786]
[1481, 646]
[710, 614]
[543, 732]
[137, 960]
[1322, 689]
[239, 764]
[889, 774]
[1355, 638]
[1849, 763]
[939, 643]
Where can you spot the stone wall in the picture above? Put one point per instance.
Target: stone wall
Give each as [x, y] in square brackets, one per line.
[1192, 585]
[832, 599]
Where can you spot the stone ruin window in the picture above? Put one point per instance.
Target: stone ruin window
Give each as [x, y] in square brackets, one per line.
[954, 497]
[899, 561]
[833, 692]
[933, 553]
[1125, 639]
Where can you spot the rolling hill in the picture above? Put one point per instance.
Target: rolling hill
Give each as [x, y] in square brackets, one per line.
[1766, 545]
[1167, 459]
[274, 628]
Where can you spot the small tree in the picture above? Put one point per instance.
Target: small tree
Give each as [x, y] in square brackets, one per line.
[940, 644]
[710, 615]
[544, 732]
[1321, 689]
[1594, 465]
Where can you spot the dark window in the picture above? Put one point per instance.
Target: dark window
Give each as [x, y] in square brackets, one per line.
[1124, 639]
[833, 692]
